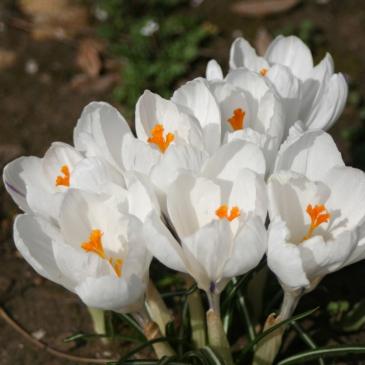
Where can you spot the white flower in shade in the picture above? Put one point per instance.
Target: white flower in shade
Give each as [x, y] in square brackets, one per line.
[315, 222]
[218, 218]
[95, 250]
[312, 94]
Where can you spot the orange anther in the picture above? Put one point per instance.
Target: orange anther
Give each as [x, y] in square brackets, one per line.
[318, 215]
[158, 138]
[264, 71]
[65, 179]
[94, 244]
[222, 212]
[237, 119]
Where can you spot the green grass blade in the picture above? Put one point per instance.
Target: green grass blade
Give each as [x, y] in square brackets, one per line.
[304, 357]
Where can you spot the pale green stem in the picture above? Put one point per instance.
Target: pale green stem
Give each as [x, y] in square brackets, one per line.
[216, 335]
[152, 331]
[197, 317]
[98, 318]
[268, 348]
[156, 307]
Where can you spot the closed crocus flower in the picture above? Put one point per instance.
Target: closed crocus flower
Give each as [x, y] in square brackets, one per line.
[219, 228]
[315, 224]
[95, 250]
[313, 94]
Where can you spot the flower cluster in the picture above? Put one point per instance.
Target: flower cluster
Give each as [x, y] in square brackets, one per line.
[228, 170]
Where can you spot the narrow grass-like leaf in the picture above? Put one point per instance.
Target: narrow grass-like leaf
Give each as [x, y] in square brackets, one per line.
[304, 357]
[212, 356]
[237, 284]
[180, 293]
[242, 307]
[87, 336]
[262, 335]
[307, 339]
[132, 323]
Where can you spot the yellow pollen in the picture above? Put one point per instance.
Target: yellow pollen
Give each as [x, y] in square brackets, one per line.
[158, 138]
[222, 212]
[318, 215]
[264, 71]
[96, 246]
[237, 119]
[65, 179]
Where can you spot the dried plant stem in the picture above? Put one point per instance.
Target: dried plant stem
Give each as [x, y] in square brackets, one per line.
[42, 346]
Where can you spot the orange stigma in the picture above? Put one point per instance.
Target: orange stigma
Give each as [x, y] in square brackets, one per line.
[95, 245]
[237, 119]
[318, 215]
[264, 71]
[222, 212]
[65, 179]
[158, 138]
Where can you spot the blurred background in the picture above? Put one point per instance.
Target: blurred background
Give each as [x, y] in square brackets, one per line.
[58, 55]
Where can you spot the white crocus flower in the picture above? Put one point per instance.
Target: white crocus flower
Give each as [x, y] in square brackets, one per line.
[95, 250]
[315, 223]
[214, 71]
[38, 184]
[313, 94]
[241, 107]
[219, 227]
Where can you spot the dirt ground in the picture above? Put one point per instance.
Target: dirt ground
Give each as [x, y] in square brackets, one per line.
[38, 105]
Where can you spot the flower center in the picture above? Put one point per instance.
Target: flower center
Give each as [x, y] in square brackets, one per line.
[237, 119]
[95, 245]
[222, 212]
[318, 215]
[264, 71]
[157, 137]
[64, 178]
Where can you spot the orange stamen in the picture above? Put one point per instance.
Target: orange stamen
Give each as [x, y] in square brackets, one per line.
[65, 179]
[222, 212]
[318, 215]
[237, 119]
[264, 71]
[158, 138]
[94, 244]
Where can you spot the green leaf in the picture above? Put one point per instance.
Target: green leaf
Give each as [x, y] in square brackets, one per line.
[180, 293]
[322, 352]
[262, 335]
[86, 336]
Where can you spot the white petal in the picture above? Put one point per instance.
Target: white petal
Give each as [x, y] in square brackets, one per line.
[248, 248]
[15, 178]
[249, 194]
[162, 244]
[111, 293]
[99, 132]
[196, 97]
[329, 104]
[243, 55]
[192, 203]
[210, 246]
[347, 195]
[231, 158]
[213, 71]
[138, 156]
[292, 52]
[34, 237]
[284, 258]
[312, 154]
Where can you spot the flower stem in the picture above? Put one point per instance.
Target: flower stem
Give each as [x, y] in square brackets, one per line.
[197, 317]
[98, 318]
[268, 348]
[156, 307]
[217, 337]
[152, 331]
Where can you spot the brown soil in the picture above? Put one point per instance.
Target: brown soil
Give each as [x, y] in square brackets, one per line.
[36, 109]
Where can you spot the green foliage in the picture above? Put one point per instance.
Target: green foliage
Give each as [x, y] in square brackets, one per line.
[156, 41]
